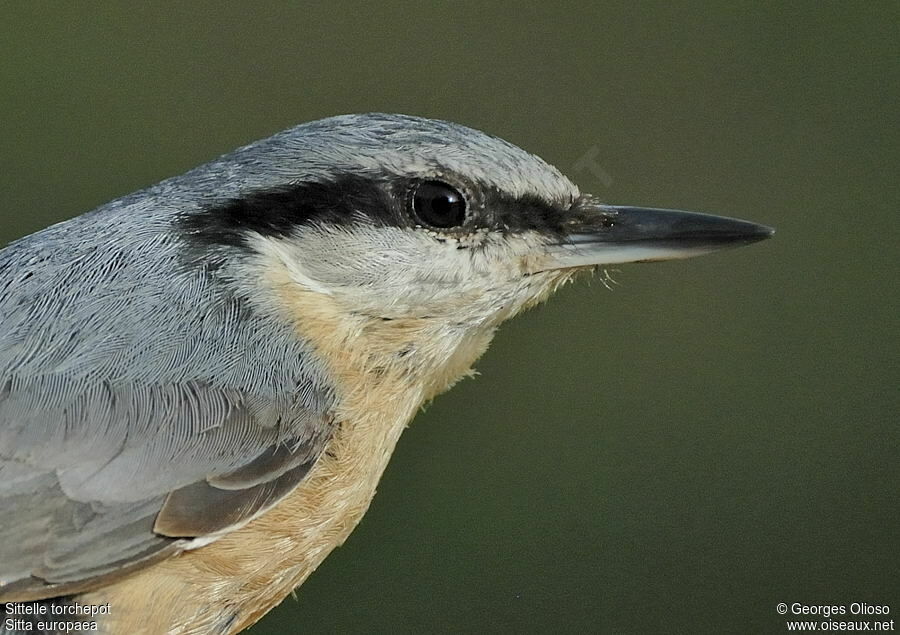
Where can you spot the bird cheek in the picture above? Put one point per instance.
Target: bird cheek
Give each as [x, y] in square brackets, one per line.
[534, 262]
[526, 254]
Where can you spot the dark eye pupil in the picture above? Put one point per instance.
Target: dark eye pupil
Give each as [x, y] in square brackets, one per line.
[439, 205]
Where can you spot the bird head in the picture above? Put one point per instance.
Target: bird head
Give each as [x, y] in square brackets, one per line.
[396, 217]
[396, 244]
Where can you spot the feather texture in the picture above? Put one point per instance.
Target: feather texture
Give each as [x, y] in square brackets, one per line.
[128, 379]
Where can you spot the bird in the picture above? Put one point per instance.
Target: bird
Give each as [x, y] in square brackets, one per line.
[202, 382]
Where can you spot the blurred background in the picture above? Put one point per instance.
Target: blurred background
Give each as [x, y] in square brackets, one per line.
[679, 454]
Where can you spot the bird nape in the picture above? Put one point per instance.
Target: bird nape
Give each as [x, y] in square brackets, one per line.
[201, 383]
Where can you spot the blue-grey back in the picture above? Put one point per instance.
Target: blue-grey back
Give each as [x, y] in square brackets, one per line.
[130, 369]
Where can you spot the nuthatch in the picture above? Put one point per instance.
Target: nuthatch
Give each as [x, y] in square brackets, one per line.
[201, 383]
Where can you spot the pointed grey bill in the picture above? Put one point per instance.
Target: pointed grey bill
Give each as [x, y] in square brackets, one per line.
[612, 234]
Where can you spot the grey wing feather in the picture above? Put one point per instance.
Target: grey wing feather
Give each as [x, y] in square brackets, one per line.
[142, 400]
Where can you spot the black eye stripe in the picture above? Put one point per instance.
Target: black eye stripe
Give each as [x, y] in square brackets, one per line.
[277, 211]
[439, 205]
[384, 201]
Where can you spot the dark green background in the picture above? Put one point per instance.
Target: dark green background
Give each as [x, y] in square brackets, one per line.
[678, 455]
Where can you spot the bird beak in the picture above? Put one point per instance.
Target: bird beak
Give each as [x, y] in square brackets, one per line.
[610, 234]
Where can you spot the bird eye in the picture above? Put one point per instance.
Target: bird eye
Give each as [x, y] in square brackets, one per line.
[439, 205]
